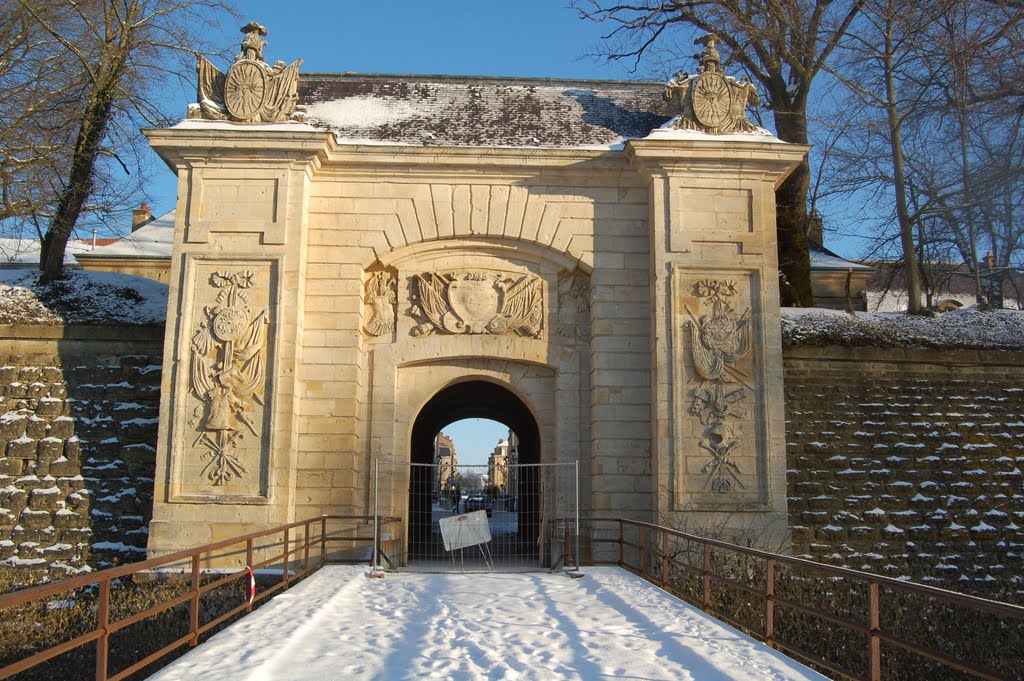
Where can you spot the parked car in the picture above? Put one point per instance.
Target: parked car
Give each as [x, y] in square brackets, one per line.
[479, 504]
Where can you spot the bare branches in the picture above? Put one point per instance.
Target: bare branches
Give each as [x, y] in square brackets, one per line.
[782, 44]
[77, 79]
[935, 155]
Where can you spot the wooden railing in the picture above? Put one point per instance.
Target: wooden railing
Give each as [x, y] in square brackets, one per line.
[905, 629]
[287, 552]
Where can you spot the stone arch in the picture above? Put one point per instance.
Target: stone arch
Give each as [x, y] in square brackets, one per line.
[473, 397]
[499, 247]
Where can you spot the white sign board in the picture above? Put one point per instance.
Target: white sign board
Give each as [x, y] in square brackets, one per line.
[468, 529]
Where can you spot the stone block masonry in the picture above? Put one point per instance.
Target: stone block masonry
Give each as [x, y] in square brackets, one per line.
[78, 423]
[908, 463]
[902, 463]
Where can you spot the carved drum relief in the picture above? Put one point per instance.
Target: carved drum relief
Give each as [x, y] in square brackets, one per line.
[227, 381]
[716, 401]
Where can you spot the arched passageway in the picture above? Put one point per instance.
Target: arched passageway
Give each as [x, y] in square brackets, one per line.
[465, 400]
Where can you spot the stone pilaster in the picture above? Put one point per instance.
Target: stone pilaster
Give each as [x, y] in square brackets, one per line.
[227, 441]
[718, 444]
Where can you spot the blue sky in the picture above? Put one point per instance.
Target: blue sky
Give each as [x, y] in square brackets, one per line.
[543, 38]
[475, 439]
[539, 38]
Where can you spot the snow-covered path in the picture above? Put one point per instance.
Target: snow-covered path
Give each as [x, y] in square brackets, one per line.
[338, 624]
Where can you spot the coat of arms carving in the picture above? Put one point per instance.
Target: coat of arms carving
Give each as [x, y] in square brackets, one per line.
[228, 373]
[711, 101]
[476, 302]
[251, 91]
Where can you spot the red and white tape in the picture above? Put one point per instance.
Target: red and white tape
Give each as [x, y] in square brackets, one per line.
[250, 591]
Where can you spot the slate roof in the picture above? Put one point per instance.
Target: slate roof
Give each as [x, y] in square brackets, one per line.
[482, 111]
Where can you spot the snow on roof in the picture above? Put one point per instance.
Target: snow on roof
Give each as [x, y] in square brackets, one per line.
[25, 252]
[824, 259]
[477, 111]
[669, 131]
[153, 240]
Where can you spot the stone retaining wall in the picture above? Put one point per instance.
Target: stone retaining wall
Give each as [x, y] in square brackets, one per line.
[908, 463]
[78, 419]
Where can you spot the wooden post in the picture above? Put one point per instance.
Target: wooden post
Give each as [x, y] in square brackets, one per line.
[103, 624]
[248, 562]
[323, 540]
[641, 534]
[664, 559]
[622, 542]
[769, 603]
[874, 625]
[706, 572]
[305, 551]
[193, 627]
[287, 558]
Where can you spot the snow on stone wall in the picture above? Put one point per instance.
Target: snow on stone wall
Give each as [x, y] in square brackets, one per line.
[78, 421]
[908, 463]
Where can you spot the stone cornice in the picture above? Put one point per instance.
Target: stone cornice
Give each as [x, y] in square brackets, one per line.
[673, 156]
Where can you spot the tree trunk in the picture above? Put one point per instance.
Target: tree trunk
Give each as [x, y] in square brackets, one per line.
[79, 185]
[791, 218]
[910, 269]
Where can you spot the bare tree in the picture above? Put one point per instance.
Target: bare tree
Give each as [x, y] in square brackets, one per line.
[38, 99]
[783, 45]
[936, 152]
[108, 61]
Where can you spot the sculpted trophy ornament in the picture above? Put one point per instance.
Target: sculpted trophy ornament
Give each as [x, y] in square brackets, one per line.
[251, 91]
[381, 296]
[717, 341]
[711, 101]
[573, 306]
[227, 373]
[477, 302]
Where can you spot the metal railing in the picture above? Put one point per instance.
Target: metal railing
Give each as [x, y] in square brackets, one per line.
[772, 597]
[284, 550]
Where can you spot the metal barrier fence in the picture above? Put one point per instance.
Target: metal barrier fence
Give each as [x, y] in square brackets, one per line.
[474, 518]
[886, 628]
[279, 556]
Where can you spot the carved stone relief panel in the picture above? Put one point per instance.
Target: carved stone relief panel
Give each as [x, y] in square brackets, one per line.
[379, 302]
[574, 305]
[477, 302]
[719, 436]
[227, 409]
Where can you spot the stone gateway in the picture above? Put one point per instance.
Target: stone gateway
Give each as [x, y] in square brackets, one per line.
[583, 261]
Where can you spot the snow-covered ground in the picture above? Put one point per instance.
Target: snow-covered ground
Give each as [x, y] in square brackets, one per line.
[82, 298]
[339, 624]
[967, 328]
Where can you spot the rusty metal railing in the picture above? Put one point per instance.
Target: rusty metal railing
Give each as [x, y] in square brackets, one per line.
[288, 553]
[727, 578]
